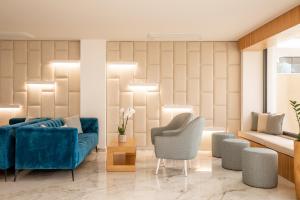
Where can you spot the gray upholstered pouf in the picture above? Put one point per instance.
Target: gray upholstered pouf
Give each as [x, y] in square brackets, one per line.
[216, 141]
[260, 167]
[232, 153]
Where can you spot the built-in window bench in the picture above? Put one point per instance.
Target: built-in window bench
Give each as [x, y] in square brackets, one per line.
[284, 146]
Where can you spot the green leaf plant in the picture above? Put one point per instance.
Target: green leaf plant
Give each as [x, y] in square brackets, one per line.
[296, 106]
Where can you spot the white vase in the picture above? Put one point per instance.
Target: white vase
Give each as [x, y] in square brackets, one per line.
[122, 138]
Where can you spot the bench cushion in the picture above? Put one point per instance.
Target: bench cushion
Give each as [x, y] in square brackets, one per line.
[280, 143]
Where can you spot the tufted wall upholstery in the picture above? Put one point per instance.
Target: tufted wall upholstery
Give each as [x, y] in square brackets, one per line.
[22, 61]
[203, 74]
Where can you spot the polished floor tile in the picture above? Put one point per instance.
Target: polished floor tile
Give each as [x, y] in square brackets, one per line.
[206, 180]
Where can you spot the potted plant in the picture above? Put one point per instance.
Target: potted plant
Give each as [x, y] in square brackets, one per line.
[125, 115]
[296, 106]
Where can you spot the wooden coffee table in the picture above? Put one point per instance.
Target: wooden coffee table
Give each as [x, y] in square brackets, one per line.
[121, 156]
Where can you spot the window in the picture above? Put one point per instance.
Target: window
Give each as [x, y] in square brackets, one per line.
[288, 65]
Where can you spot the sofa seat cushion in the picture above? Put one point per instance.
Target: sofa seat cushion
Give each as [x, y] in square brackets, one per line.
[86, 142]
[278, 143]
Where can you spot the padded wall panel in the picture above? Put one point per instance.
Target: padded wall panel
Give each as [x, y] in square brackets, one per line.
[20, 51]
[21, 99]
[20, 77]
[34, 65]
[47, 56]
[61, 111]
[6, 90]
[6, 63]
[74, 103]
[34, 111]
[34, 96]
[61, 92]
[61, 72]
[112, 119]
[48, 106]
[113, 92]
[74, 50]
[205, 75]
[74, 79]
[6, 45]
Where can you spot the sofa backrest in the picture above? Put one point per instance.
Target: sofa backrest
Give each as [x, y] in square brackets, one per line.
[49, 123]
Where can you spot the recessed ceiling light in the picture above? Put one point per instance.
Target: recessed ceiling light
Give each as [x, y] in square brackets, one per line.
[65, 63]
[177, 108]
[143, 87]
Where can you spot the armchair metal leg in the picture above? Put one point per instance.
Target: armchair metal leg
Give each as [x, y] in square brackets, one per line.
[5, 175]
[157, 166]
[96, 149]
[16, 173]
[185, 168]
[73, 175]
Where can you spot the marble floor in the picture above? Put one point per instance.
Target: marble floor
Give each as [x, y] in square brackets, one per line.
[207, 180]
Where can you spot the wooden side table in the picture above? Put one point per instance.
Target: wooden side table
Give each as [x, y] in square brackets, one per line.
[121, 156]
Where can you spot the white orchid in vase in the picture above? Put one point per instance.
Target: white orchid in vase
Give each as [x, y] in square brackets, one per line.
[125, 115]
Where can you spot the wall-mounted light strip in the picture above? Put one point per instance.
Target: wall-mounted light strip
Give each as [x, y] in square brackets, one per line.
[9, 107]
[177, 108]
[65, 63]
[122, 66]
[143, 87]
[45, 85]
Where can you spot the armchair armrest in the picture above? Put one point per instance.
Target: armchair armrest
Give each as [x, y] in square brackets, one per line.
[46, 148]
[89, 125]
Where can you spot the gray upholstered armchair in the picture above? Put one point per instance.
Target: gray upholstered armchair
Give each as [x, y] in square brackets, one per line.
[182, 144]
[178, 122]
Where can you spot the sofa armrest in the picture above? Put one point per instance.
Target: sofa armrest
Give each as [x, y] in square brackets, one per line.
[89, 125]
[7, 150]
[46, 148]
[16, 120]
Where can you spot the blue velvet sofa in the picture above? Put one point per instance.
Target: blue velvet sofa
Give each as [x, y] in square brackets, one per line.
[7, 143]
[53, 146]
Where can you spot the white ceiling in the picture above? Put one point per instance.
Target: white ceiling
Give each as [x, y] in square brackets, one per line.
[219, 20]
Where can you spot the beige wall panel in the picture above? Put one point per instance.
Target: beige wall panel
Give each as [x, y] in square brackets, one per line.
[21, 99]
[74, 79]
[234, 126]
[166, 46]
[5, 116]
[234, 105]
[61, 54]
[141, 58]
[220, 65]
[20, 77]
[6, 90]
[234, 54]
[61, 45]
[34, 96]
[20, 51]
[139, 98]
[220, 92]
[61, 111]
[74, 50]
[165, 118]
[193, 46]
[112, 137]
[48, 106]
[151, 124]
[139, 124]
[34, 65]
[112, 119]
[179, 53]
[125, 79]
[153, 73]
[34, 45]
[47, 51]
[220, 116]
[140, 139]
[129, 128]
[180, 98]
[153, 107]
[126, 100]
[153, 53]
[207, 107]
[207, 53]
[196, 111]
[220, 46]
[47, 72]
[61, 92]
[207, 78]
[209, 123]
[234, 78]
[6, 44]
[113, 92]
[166, 91]
[6, 63]
[113, 56]
[193, 92]
[166, 64]
[113, 46]
[61, 72]
[140, 46]
[193, 66]
[34, 111]
[74, 103]
[126, 51]
[180, 78]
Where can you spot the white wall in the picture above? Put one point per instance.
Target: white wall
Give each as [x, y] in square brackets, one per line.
[93, 83]
[252, 86]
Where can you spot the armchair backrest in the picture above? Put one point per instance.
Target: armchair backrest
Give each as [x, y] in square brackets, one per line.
[180, 121]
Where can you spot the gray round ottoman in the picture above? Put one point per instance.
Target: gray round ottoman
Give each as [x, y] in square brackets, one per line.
[260, 167]
[216, 141]
[232, 153]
